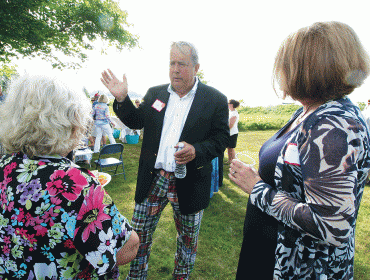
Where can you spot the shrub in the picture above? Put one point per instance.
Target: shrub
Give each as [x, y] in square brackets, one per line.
[265, 118]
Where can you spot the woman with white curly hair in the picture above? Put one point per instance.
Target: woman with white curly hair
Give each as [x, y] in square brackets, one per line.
[56, 219]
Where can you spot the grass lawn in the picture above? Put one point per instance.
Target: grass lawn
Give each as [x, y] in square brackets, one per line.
[221, 231]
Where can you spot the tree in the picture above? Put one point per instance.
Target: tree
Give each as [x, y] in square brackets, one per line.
[7, 72]
[86, 92]
[200, 75]
[30, 28]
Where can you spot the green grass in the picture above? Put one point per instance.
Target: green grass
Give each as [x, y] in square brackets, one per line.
[221, 231]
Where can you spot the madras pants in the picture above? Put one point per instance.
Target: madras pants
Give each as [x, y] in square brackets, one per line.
[144, 221]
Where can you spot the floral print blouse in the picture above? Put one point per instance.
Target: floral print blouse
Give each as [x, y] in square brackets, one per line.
[56, 221]
[320, 176]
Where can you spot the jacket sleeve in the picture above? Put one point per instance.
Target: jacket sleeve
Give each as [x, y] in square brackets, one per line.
[325, 201]
[131, 116]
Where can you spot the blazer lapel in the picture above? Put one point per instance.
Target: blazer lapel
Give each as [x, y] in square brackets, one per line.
[195, 111]
[158, 117]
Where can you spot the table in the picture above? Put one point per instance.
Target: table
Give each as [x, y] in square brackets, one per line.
[123, 128]
[83, 154]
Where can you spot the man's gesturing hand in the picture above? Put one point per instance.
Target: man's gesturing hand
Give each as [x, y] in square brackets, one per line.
[117, 88]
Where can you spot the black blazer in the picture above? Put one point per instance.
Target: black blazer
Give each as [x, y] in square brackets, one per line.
[206, 128]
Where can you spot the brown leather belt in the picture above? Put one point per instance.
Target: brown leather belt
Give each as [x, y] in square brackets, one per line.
[164, 173]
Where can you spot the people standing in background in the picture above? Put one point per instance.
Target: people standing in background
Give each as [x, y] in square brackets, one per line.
[137, 103]
[102, 120]
[233, 125]
[185, 111]
[304, 200]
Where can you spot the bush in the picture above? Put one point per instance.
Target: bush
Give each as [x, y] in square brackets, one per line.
[287, 109]
[265, 118]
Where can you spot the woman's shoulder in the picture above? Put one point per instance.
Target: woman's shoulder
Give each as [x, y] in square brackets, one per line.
[101, 105]
[335, 111]
[341, 115]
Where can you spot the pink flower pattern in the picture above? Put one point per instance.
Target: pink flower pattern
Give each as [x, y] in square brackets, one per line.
[92, 212]
[69, 184]
[58, 212]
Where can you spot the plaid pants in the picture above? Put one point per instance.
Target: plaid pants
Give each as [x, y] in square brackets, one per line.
[145, 219]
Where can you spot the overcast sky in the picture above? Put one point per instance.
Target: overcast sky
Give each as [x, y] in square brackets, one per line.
[237, 42]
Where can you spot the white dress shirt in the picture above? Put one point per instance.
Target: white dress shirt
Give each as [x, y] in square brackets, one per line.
[174, 119]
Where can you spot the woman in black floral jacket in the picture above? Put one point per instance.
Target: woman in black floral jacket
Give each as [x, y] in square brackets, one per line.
[56, 220]
[312, 172]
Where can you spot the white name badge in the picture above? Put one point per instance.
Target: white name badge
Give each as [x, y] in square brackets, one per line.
[292, 155]
[158, 105]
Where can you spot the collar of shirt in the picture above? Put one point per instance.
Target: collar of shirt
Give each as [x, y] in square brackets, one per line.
[191, 92]
[175, 117]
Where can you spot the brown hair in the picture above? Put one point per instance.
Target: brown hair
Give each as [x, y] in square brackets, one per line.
[321, 62]
[234, 103]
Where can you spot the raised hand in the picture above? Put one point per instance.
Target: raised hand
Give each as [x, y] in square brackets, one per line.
[117, 88]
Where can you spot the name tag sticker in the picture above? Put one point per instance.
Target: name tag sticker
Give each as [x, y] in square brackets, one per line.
[292, 155]
[158, 105]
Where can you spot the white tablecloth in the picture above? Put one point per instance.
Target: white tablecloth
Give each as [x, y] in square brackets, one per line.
[83, 154]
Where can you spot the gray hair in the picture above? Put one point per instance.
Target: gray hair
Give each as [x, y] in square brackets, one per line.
[194, 52]
[103, 98]
[41, 116]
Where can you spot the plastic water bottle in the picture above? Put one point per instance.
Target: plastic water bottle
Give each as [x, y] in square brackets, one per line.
[180, 169]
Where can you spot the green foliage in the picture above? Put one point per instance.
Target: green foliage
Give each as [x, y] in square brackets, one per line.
[7, 72]
[200, 75]
[361, 105]
[265, 118]
[257, 123]
[86, 92]
[41, 27]
[287, 109]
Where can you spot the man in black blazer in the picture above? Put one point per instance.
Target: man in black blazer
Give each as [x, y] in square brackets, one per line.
[186, 111]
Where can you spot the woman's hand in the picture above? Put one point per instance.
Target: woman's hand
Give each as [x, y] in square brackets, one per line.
[243, 176]
[117, 88]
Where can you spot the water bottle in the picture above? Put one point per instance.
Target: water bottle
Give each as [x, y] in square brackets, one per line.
[180, 169]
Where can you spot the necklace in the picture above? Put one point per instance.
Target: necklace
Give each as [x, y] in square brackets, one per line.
[299, 119]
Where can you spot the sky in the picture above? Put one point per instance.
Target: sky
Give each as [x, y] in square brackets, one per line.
[237, 42]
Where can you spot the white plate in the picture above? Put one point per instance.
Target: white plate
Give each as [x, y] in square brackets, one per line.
[107, 176]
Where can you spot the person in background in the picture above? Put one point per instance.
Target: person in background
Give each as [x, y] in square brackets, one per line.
[57, 221]
[95, 98]
[233, 125]
[92, 137]
[84, 144]
[366, 113]
[313, 171]
[101, 116]
[137, 103]
[185, 111]
[2, 96]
